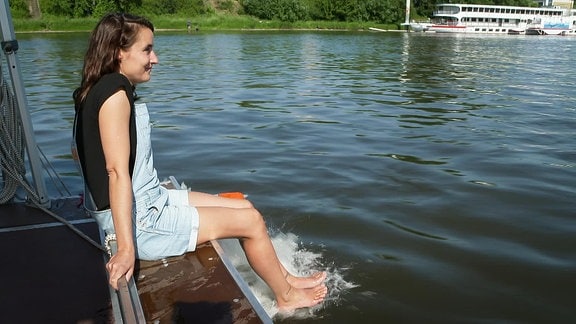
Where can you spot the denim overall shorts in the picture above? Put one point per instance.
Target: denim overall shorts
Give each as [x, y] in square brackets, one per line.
[164, 224]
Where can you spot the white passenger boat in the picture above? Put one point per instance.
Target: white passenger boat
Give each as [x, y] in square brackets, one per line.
[559, 26]
[487, 19]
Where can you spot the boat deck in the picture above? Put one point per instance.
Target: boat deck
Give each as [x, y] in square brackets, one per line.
[192, 288]
[51, 274]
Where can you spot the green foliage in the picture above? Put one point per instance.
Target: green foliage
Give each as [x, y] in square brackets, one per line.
[19, 9]
[185, 8]
[381, 11]
[82, 8]
[226, 5]
[57, 7]
[283, 10]
[286, 12]
[103, 7]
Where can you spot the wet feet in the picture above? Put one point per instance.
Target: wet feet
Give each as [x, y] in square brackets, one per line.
[306, 282]
[296, 298]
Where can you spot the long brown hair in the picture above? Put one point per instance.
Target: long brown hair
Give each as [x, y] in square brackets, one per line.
[113, 32]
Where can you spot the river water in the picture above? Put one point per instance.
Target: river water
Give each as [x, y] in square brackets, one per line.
[433, 176]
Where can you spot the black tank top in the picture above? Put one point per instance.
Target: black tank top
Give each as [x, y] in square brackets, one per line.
[87, 133]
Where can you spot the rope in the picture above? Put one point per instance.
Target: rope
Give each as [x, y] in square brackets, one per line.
[11, 145]
[71, 227]
[12, 149]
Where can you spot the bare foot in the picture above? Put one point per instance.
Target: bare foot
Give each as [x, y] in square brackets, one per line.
[296, 298]
[306, 282]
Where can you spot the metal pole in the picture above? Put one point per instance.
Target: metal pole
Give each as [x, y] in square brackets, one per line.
[10, 47]
[407, 16]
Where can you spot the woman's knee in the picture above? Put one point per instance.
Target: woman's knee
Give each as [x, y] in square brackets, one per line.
[253, 219]
[245, 203]
[254, 216]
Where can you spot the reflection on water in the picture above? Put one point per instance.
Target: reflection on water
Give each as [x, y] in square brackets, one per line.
[432, 174]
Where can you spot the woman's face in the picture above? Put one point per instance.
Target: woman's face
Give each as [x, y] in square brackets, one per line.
[136, 62]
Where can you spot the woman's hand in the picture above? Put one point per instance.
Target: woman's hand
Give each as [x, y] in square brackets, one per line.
[121, 264]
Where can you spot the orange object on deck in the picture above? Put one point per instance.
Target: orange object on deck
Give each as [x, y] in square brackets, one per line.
[234, 195]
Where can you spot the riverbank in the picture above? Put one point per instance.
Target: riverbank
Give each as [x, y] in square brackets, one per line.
[208, 22]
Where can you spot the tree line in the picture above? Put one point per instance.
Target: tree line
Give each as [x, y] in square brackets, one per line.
[379, 11]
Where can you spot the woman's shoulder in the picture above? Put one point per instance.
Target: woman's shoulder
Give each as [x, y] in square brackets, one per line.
[113, 80]
[111, 83]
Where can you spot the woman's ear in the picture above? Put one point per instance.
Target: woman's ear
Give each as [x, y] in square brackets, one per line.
[119, 55]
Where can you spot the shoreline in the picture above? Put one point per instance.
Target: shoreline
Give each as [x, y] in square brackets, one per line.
[184, 30]
[203, 23]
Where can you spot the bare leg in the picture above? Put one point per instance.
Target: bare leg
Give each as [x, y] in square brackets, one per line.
[247, 225]
[200, 199]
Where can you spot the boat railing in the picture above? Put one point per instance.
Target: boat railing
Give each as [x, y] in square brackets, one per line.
[126, 305]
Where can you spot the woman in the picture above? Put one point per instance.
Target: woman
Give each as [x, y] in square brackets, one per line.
[114, 148]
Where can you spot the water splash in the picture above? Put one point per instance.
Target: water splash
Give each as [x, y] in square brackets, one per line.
[298, 261]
